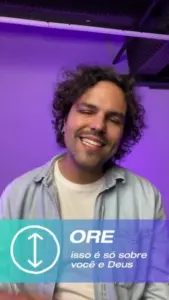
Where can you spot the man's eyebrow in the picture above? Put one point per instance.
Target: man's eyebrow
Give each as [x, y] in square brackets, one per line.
[86, 105]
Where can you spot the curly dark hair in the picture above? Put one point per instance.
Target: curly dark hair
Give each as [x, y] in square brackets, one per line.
[73, 86]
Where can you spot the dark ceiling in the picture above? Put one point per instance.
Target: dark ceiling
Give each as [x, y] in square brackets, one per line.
[148, 58]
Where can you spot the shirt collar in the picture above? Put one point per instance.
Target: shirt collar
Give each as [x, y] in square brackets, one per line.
[112, 175]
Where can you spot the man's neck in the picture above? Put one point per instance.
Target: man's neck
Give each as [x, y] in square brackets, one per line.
[76, 174]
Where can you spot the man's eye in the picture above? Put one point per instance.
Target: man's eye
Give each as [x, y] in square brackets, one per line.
[115, 120]
[87, 112]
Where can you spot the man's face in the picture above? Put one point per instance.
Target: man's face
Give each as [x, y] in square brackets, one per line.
[95, 124]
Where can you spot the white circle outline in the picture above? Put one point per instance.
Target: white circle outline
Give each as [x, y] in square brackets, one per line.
[14, 240]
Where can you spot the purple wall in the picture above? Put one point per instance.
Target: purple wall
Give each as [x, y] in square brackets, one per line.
[30, 61]
[150, 158]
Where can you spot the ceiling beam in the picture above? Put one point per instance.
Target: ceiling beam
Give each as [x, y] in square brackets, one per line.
[136, 27]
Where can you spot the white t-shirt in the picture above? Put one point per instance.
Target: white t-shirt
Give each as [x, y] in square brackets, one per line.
[76, 202]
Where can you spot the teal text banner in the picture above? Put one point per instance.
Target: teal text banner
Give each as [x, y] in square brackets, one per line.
[84, 251]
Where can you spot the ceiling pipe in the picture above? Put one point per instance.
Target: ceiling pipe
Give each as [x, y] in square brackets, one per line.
[83, 28]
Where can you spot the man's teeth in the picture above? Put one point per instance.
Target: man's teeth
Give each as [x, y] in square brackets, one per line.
[91, 143]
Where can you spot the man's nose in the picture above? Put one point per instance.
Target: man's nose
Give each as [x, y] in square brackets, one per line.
[98, 124]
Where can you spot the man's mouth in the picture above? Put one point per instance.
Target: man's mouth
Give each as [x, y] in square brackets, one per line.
[91, 143]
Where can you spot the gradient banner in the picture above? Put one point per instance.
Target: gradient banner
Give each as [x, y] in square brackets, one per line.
[84, 251]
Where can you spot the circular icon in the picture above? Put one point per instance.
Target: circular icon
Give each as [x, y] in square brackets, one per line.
[36, 264]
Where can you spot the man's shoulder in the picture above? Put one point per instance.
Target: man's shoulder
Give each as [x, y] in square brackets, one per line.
[143, 192]
[25, 180]
[135, 180]
[20, 193]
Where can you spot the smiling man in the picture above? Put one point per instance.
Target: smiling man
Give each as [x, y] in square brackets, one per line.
[98, 119]
[93, 130]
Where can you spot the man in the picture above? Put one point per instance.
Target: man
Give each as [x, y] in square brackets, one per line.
[98, 119]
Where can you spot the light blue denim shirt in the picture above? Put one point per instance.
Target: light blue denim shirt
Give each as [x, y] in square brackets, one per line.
[124, 196]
